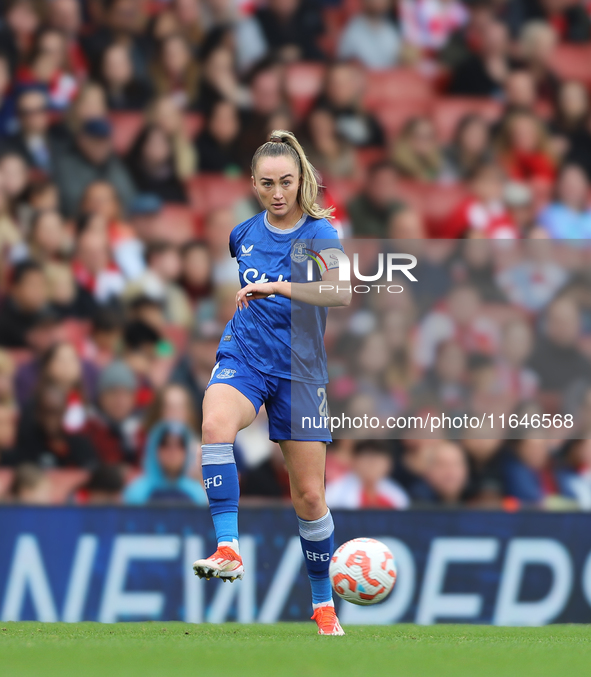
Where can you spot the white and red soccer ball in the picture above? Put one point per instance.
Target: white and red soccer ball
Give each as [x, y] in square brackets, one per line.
[362, 571]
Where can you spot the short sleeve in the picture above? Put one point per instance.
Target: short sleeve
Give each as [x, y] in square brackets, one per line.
[328, 246]
[326, 236]
[232, 245]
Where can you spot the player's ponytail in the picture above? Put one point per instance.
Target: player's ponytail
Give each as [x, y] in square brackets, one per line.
[282, 142]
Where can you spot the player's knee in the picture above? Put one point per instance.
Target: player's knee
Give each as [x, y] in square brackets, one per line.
[215, 429]
[311, 504]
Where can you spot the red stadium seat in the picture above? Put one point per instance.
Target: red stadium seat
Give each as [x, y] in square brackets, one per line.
[334, 22]
[571, 62]
[153, 7]
[436, 202]
[352, 7]
[342, 190]
[126, 127]
[395, 86]
[212, 191]
[394, 115]
[448, 111]
[303, 84]
[176, 224]
[369, 156]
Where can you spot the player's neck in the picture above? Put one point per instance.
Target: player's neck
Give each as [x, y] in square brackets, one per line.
[285, 222]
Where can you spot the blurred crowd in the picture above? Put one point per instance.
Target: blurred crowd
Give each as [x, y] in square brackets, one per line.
[495, 331]
[126, 133]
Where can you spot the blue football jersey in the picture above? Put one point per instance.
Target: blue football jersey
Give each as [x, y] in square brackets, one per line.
[279, 336]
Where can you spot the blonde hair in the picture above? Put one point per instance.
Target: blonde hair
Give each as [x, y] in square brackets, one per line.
[161, 79]
[284, 143]
[88, 89]
[504, 144]
[532, 32]
[424, 167]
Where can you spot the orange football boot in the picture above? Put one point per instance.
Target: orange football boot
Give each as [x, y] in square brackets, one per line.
[224, 564]
[327, 621]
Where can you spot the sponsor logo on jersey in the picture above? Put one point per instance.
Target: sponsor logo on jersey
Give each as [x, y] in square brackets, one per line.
[226, 373]
[299, 252]
[247, 250]
[227, 337]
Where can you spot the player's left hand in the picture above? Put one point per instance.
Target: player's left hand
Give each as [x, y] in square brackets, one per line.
[254, 291]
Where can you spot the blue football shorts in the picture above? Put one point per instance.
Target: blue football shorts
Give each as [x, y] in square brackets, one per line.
[296, 411]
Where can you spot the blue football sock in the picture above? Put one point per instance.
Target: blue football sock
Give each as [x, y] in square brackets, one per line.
[317, 538]
[226, 526]
[221, 483]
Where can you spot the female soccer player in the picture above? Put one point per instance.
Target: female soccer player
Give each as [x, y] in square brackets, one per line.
[272, 352]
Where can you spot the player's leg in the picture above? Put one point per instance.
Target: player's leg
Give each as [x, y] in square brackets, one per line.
[306, 465]
[226, 410]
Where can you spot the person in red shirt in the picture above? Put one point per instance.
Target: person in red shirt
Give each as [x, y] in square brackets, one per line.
[368, 484]
[100, 198]
[92, 264]
[482, 213]
[114, 425]
[523, 149]
[66, 17]
[48, 65]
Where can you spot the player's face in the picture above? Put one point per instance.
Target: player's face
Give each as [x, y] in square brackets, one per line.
[277, 181]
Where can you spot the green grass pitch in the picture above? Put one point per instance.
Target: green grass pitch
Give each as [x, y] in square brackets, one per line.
[230, 650]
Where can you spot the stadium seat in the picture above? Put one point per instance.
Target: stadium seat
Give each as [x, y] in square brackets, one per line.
[571, 62]
[449, 110]
[435, 201]
[369, 156]
[211, 191]
[351, 7]
[393, 115]
[126, 127]
[152, 7]
[334, 22]
[395, 86]
[342, 190]
[303, 84]
[176, 224]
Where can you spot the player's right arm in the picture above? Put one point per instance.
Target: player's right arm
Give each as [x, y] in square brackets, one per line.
[328, 292]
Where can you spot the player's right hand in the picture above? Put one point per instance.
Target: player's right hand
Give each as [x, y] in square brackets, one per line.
[254, 291]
